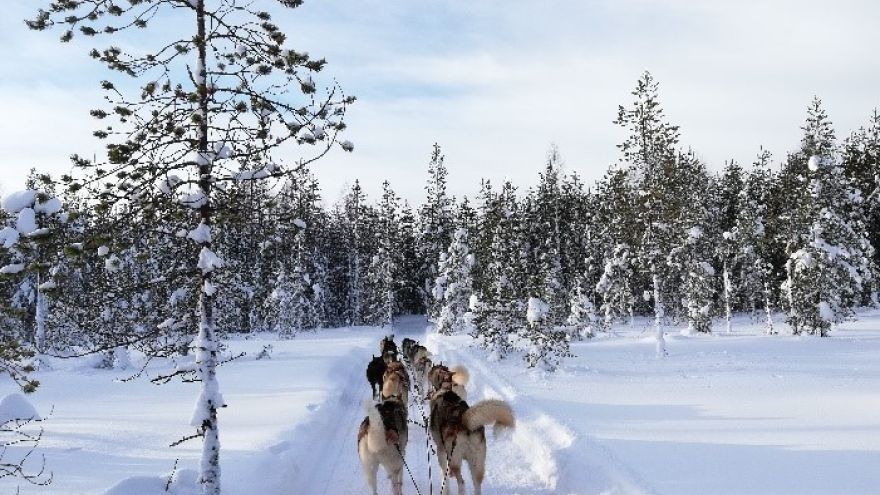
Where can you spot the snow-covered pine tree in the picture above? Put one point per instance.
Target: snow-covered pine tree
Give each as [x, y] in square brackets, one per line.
[726, 251]
[752, 244]
[861, 165]
[291, 308]
[500, 311]
[583, 321]
[691, 259]
[547, 345]
[410, 300]
[454, 286]
[614, 286]
[436, 226]
[383, 276]
[358, 251]
[34, 235]
[664, 181]
[831, 271]
[791, 217]
[544, 237]
[209, 112]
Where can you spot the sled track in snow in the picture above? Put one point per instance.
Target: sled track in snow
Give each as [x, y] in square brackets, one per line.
[540, 457]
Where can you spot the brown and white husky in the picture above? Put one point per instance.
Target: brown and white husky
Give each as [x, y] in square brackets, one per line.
[382, 440]
[395, 383]
[454, 380]
[459, 434]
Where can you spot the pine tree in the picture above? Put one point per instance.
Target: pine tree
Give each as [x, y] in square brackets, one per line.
[861, 165]
[454, 286]
[207, 103]
[614, 286]
[583, 322]
[691, 259]
[829, 272]
[664, 180]
[547, 345]
[383, 275]
[500, 310]
[292, 309]
[34, 236]
[752, 244]
[358, 252]
[435, 227]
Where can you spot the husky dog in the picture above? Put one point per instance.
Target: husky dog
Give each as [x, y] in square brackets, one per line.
[399, 368]
[395, 385]
[375, 374]
[387, 345]
[420, 360]
[389, 357]
[406, 346]
[382, 440]
[459, 434]
[443, 379]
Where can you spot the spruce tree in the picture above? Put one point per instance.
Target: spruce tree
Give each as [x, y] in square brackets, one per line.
[664, 181]
[454, 286]
[692, 262]
[583, 321]
[547, 345]
[614, 287]
[501, 310]
[436, 226]
[830, 272]
[383, 276]
[752, 243]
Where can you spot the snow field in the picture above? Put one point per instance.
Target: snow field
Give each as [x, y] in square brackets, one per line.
[723, 414]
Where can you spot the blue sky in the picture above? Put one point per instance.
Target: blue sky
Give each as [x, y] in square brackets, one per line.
[496, 82]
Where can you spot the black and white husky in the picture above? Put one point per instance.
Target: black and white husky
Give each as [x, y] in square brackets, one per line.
[382, 440]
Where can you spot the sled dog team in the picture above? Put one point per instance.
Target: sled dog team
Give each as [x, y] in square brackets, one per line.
[458, 430]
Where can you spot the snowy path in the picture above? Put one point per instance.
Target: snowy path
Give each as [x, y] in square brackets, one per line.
[540, 457]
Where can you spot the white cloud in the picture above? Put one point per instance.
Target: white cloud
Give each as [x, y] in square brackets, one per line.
[496, 82]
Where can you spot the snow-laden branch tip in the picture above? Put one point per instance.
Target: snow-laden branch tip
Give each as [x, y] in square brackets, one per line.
[200, 234]
[19, 200]
[208, 261]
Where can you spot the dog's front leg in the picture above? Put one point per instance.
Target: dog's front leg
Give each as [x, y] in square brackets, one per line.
[397, 482]
[442, 460]
[370, 470]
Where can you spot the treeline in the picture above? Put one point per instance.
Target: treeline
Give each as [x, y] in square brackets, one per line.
[519, 269]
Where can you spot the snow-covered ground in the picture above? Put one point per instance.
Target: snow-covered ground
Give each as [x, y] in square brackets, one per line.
[723, 414]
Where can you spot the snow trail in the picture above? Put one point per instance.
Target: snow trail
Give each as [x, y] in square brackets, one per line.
[540, 457]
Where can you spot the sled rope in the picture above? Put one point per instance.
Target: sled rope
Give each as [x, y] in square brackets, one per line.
[448, 464]
[425, 424]
[411, 477]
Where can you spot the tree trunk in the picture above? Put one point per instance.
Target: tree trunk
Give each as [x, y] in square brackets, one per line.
[727, 291]
[767, 309]
[792, 312]
[206, 346]
[659, 313]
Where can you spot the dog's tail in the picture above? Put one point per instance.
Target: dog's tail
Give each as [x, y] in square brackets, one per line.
[460, 375]
[376, 431]
[487, 412]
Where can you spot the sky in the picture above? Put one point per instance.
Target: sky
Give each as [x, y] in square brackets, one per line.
[497, 82]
